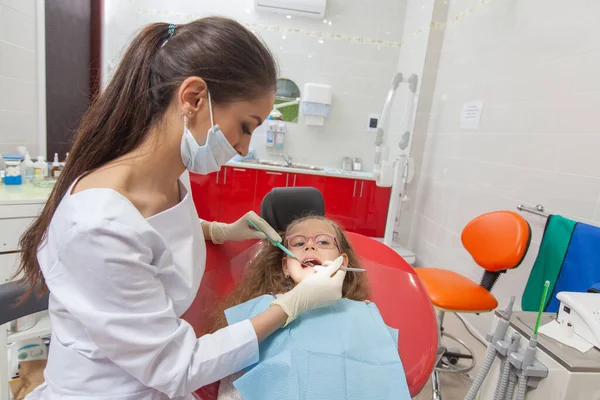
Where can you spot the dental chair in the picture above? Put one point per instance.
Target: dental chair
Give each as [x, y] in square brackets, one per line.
[396, 289]
[11, 310]
[497, 241]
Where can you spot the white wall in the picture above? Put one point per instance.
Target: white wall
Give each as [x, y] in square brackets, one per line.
[360, 73]
[19, 89]
[534, 64]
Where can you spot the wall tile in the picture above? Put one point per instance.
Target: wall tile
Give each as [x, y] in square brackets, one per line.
[25, 7]
[12, 23]
[17, 95]
[17, 62]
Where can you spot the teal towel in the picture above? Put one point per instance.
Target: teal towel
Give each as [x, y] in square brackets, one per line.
[547, 266]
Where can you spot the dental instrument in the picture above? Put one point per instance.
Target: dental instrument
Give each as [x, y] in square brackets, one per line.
[275, 243]
[347, 269]
[531, 371]
[493, 338]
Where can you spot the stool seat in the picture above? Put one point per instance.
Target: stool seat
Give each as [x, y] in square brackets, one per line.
[455, 293]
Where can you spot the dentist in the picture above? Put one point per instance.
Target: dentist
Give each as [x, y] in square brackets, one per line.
[119, 245]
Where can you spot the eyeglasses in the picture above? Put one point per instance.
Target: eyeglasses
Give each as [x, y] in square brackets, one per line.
[321, 240]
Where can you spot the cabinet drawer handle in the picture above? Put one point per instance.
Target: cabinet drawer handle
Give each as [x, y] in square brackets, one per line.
[239, 169]
[274, 173]
[295, 180]
[225, 176]
[354, 190]
[361, 187]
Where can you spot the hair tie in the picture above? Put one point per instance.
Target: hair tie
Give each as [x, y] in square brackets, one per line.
[171, 32]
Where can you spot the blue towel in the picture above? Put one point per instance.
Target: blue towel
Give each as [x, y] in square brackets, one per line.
[581, 268]
[340, 352]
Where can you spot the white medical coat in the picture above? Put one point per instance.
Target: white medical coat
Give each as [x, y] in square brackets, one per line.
[118, 285]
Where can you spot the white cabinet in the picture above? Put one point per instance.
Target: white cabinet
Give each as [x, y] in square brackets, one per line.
[8, 266]
[18, 208]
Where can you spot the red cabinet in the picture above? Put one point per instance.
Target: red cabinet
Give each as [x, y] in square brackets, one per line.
[339, 201]
[357, 205]
[370, 208]
[237, 192]
[265, 181]
[206, 193]
[316, 181]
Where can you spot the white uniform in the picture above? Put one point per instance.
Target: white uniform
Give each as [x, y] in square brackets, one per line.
[118, 285]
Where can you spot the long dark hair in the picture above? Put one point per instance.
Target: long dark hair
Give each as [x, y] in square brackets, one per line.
[233, 62]
[264, 275]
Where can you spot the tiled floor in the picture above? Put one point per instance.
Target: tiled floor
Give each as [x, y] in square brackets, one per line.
[456, 386]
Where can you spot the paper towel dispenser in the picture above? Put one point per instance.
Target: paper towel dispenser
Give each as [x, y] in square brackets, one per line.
[316, 103]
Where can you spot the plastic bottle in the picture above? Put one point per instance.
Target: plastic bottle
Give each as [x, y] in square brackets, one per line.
[42, 165]
[28, 167]
[280, 135]
[55, 172]
[270, 134]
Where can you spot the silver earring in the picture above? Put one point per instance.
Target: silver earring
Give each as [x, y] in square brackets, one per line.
[190, 112]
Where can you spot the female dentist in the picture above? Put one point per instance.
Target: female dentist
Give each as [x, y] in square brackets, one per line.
[119, 244]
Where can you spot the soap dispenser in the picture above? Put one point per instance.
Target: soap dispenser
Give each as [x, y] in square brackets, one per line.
[280, 135]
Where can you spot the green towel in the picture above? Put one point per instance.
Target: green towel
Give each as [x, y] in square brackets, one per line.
[549, 261]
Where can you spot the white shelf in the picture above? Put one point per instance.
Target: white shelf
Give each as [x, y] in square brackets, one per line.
[41, 328]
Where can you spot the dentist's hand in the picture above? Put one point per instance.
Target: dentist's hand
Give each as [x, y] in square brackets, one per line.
[318, 290]
[241, 230]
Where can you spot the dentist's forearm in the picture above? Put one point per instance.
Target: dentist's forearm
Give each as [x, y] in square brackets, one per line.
[267, 322]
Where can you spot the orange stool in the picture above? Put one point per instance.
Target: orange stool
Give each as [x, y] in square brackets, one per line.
[497, 241]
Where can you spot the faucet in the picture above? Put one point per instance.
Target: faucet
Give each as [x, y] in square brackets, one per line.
[287, 158]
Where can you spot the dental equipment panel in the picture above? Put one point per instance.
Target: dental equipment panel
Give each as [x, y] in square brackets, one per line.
[581, 312]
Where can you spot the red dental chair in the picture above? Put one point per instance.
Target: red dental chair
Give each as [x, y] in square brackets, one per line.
[396, 289]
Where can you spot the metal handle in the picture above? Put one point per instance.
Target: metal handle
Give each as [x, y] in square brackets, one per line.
[287, 178]
[225, 177]
[295, 180]
[354, 190]
[239, 169]
[361, 187]
[274, 173]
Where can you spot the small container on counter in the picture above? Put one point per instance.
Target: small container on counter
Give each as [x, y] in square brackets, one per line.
[357, 164]
[12, 163]
[347, 164]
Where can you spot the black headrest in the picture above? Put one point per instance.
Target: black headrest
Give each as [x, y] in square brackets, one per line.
[9, 297]
[283, 205]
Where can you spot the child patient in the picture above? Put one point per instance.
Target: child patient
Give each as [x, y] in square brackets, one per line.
[312, 239]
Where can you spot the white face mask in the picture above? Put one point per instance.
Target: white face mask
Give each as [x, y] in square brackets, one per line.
[216, 152]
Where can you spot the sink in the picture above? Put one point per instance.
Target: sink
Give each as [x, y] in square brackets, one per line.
[283, 165]
[304, 166]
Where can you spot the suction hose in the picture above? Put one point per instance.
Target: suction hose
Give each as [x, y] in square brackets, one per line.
[522, 390]
[512, 383]
[503, 381]
[498, 334]
[505, 368]
[485, 368]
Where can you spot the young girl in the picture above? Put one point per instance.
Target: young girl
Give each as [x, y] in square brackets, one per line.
[312, 239]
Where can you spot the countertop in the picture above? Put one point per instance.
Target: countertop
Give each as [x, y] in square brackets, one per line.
[332, 172]
[30, 194]
[23, 194]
